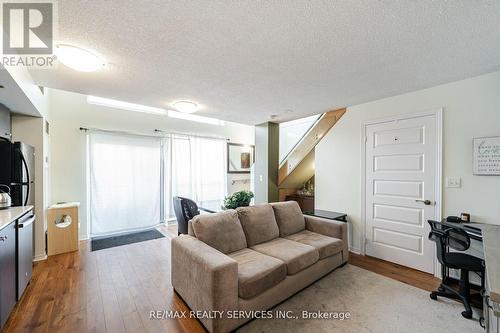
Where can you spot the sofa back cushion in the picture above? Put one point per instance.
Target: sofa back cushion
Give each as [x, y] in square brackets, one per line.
[289, 217]
[258, 223]
[221, 231]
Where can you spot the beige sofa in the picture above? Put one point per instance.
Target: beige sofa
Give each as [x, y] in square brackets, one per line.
[251, 259]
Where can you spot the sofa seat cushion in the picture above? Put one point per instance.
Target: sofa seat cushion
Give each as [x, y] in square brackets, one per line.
[257, 272]
[289, 217]
[295, 255]
[221, 231]
[258, 223]
[326, 246]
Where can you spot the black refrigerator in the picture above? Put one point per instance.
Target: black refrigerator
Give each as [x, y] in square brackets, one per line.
[17, 170]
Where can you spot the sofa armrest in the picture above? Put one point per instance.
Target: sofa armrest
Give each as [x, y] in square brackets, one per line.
[331, 228]
[206, 279]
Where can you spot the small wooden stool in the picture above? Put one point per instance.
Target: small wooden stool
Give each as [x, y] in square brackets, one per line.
[62, 228]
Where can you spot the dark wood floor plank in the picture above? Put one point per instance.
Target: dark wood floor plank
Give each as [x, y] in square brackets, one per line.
[397, 272]
[114, 290]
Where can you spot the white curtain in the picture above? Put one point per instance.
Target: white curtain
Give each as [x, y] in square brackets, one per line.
[125, 182]
[196, 169]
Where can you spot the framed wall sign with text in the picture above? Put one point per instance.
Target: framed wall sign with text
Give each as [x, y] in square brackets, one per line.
[486, 156]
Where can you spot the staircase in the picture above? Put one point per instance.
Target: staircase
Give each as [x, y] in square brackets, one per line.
[298, 165]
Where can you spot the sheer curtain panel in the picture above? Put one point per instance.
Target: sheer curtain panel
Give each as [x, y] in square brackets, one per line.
[195, 168]
[125, 182]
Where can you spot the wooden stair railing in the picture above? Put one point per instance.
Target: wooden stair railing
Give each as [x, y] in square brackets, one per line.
[306, 145]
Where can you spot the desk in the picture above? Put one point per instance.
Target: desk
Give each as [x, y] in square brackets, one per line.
[490, 236]
[210, 206]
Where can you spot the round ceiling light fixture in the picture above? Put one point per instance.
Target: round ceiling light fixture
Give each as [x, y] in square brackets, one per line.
[78, 59]
[186, 106]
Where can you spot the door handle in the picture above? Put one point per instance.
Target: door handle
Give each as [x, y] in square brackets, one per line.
[425, 202]
[27, 223]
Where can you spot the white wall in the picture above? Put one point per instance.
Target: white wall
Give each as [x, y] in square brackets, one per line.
[31, 130]
[471, 109]
[70, 111]
[29, 97]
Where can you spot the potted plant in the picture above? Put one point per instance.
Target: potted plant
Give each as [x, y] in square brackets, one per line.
[238, 199]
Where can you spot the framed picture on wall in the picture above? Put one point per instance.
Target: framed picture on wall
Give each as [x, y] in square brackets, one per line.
[486, 156]
[240, 157]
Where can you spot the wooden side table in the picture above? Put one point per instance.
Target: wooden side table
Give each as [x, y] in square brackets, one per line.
[62, 228]
[326, 214]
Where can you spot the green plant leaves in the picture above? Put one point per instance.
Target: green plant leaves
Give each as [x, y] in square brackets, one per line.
[238, 199]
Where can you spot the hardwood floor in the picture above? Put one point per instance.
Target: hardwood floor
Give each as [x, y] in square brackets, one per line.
[114, 290]
[111, 290]
[397, 272]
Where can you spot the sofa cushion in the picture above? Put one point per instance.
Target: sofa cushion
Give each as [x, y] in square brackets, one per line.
[257, 272]
[326, 246]
[221, 231]
[296, 256]
[258, 223]
[289, 217]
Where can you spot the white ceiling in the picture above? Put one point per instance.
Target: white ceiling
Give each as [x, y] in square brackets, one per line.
[245, 60]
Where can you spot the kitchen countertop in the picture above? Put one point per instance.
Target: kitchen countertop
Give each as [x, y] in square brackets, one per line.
[491, 245]
[11, 214]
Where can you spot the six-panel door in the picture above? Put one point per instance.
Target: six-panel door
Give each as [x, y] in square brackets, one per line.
[400, 191]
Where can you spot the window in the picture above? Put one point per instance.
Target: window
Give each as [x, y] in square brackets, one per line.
[196, 169]
[124, 182]
[134, 178]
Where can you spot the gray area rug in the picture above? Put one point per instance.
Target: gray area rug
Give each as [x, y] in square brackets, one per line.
[135, 237]
[375, 303]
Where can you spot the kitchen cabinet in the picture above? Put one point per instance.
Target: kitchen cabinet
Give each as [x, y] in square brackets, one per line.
[7, 271]
[5, 123]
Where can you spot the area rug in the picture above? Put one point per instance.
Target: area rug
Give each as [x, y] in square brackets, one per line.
[375, 304]
[136, 237]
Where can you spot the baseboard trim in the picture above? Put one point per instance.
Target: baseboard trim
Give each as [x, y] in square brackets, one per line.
[354, 250]
[40, 257]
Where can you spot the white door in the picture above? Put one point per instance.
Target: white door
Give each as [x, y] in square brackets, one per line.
[401, 176]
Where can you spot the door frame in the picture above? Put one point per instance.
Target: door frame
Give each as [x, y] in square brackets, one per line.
[438, 116]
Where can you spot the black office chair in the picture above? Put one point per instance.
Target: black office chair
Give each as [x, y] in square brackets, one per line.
[185, 209]
[455, 238]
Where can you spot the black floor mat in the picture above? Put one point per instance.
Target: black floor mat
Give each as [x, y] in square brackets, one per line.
[136, 237]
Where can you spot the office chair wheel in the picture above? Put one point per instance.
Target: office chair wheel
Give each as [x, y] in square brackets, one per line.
[433, 296]
[467, 314]
[481, 322]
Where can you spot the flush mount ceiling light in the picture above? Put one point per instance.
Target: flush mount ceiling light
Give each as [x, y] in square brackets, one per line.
[113, 103]
[78, 59]
[185, 106]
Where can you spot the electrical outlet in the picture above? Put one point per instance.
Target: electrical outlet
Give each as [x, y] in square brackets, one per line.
[453, 182]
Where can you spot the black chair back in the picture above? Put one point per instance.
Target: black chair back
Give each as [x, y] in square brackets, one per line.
[185, 209]
[445, 236]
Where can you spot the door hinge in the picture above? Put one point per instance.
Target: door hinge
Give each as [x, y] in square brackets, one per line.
[366, 139]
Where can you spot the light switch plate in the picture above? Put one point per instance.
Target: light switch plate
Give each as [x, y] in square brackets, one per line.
[453, 182]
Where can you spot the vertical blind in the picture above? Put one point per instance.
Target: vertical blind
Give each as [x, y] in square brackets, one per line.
[134, 178]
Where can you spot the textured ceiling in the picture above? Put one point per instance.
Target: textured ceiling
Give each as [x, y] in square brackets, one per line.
[245, 60]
